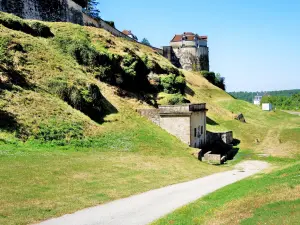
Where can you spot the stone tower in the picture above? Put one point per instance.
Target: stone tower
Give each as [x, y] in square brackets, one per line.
[188, 51]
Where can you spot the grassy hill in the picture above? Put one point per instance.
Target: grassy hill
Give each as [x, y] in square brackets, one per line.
[70, 136]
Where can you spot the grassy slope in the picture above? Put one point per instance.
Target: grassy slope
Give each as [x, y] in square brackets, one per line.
[126, 154]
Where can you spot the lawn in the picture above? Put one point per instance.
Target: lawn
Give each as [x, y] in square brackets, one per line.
[40, 181]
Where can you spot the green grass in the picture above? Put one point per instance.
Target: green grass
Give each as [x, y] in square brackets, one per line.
[283, 212]
[42, 180]
[263, 198]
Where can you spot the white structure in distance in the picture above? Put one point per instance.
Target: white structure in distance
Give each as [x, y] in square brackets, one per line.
[257, 100]
[267, 107]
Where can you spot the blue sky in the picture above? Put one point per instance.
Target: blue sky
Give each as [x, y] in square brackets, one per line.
[254, 44]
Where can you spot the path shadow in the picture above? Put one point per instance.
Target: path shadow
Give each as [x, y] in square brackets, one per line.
[211, 122]
[236, 142]
[189, 91]
[232, 153]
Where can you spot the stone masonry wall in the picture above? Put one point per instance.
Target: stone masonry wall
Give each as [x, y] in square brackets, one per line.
[226, 137]
[178, 126]
[151, 114]
[58, 11]
[46, 10]
[191, 58]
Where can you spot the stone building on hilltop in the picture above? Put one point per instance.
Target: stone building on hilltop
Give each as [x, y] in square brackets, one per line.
[188, 51]
[130, 34]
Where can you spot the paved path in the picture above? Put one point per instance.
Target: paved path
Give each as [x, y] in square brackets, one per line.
[291, 112]
[149, 206]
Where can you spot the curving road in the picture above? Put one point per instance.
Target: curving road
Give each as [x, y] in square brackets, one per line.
[149, 206]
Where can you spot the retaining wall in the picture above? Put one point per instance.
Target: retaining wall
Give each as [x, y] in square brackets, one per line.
[226, 137]
[151, 114]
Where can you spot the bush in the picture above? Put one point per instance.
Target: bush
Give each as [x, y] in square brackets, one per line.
[83, 53]
[4, 56]
[135, 73]
[177, 99]
[41, 30]
[215, 79]
[84, 97]
[16, 23]
[172, 84]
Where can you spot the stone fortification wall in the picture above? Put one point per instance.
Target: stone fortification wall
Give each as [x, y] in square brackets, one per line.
[226, 137]
[192, 58]
[88, 21]
[46, 10]
[59, 11]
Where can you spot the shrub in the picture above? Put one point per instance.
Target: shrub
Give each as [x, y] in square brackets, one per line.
[83, 53]
[215, 79]
[210, 76]
[173, 84]
[176, 99]
[180, 84]
[135, 73]
[84, 97]
[16, 23]
[41, 30]
[4, 56]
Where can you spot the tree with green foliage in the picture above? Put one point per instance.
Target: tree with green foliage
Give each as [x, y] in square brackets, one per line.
[145, 42]
[283, 102]
[248, 96]
[92, 9]
[215, 79]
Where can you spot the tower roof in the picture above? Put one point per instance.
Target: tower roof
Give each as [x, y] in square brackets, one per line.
[189, 36]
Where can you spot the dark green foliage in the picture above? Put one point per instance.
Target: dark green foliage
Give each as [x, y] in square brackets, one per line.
[173, 84]
[135, 73]
[215, 79]
[92, 10]
[41, 30]
[283, 102]
[248, 96]
[84, 97]
[145, 42]
[59, 131]
[82, 50]
[177, 99]
[110, 23]
[204, 62]
[35, 28]
[4, 56]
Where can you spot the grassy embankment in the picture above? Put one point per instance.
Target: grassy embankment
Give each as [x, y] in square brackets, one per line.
[58, 156]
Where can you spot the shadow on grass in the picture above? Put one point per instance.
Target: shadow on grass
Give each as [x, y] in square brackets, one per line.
[14, 77]
[189, 91]
[211, 122]
[8, 121]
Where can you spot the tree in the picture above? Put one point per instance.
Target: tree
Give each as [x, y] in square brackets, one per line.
[146, 42]
[92, 9]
